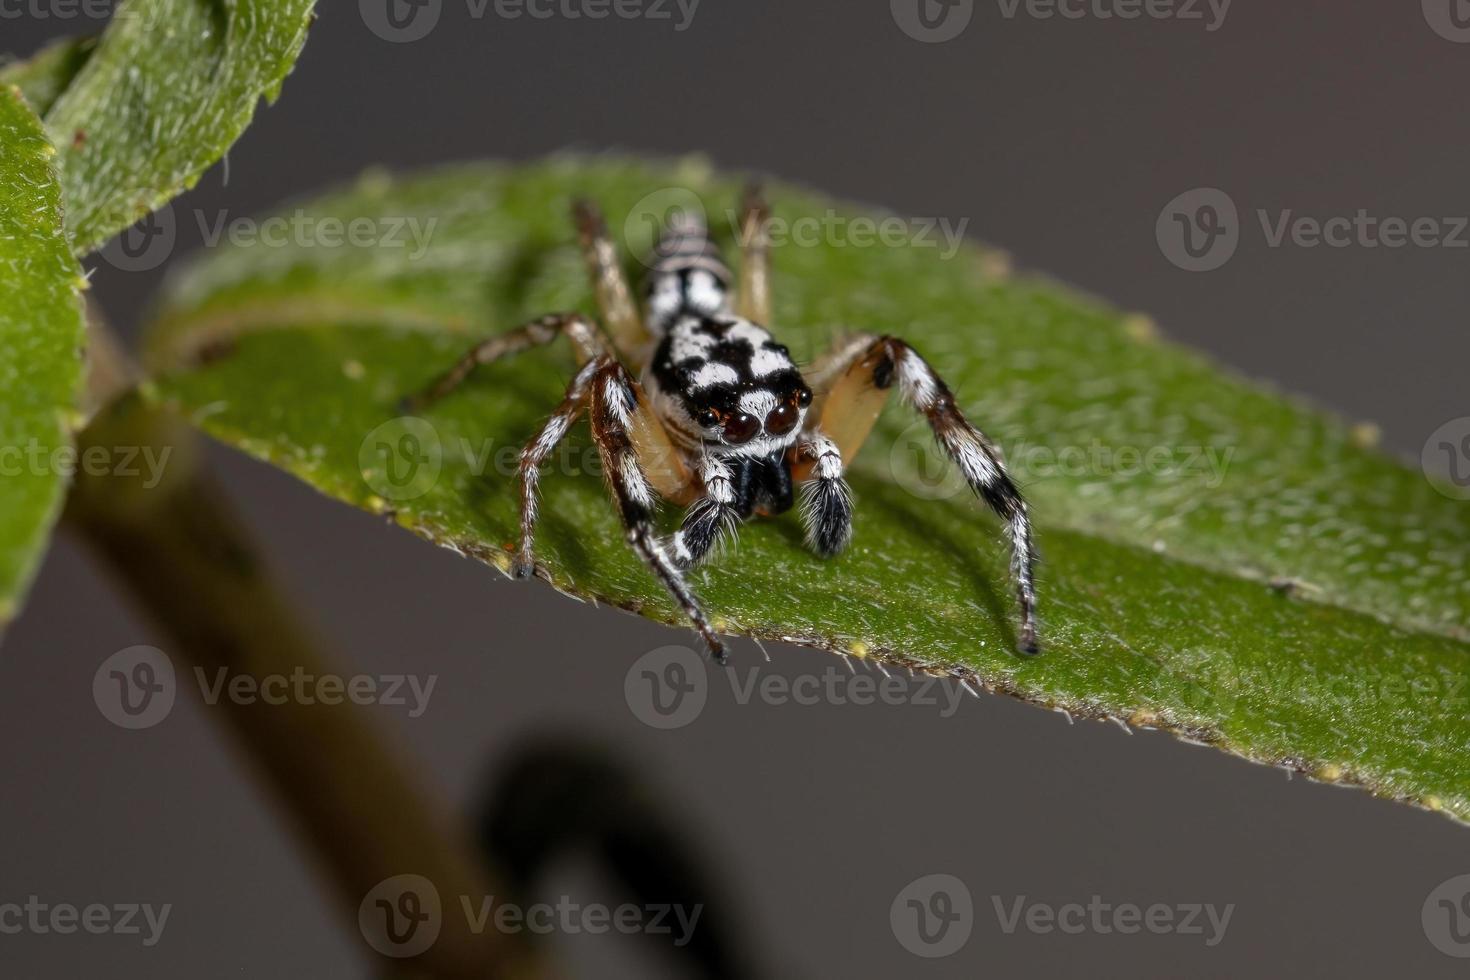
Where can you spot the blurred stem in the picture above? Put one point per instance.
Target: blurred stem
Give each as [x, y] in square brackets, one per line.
[186, 559]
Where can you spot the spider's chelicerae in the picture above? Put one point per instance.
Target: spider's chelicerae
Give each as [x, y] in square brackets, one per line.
[719, 418]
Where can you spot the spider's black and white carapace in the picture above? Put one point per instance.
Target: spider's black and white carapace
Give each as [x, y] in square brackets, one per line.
[719, 418]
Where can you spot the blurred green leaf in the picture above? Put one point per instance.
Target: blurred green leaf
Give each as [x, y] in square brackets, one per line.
[41, 332]
[1220, 561]
[43, 77]
[167, 89]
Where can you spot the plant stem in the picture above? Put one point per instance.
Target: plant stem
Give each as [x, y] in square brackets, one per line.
[180, 551]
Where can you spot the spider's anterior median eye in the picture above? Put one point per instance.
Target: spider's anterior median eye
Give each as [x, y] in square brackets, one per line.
[741, 427]
[783, 419]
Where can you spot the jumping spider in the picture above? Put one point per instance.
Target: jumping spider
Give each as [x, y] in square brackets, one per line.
[720, 419]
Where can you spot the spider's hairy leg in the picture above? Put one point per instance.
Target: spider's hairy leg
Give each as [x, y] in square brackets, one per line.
[536, 452]
[711, 518]
[589, 343]
[826, 502]
[619, 410]
[853, 386]
[614, 298]
[755, 256]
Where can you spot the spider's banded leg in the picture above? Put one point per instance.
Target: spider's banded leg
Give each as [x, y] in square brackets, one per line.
[542, 330]
[616, 405]
[826, 502]
[754, 301]
[614, 298]
[710, 518]
[850, 402]
[536, 452]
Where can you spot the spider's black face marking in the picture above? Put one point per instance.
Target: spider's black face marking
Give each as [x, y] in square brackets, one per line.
[738, 387]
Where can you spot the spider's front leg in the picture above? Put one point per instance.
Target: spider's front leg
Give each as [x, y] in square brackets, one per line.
[853, 384]
[641, 464]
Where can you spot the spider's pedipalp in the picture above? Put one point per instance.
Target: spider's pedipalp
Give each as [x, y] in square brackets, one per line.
[850, 404]
[826, 501]
[712, 518]
[617, 405]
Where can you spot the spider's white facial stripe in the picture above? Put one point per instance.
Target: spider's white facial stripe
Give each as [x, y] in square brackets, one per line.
[762, 447]
[766, 362]
[688, 344]
[713, 374]
[748, 332]
[758, 403]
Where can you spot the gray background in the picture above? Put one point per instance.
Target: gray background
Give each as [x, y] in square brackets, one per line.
[1060, 140]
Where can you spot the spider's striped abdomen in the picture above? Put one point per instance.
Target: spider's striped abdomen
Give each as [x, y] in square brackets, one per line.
[687, 276]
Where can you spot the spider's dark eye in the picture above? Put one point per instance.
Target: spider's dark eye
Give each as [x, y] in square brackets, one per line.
[803, 396]
[708, 417]
[741, 427]
[783, 419]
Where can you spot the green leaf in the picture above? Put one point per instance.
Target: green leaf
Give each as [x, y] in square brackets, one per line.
[41, 332]
[168, 88]
[1265, 583]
